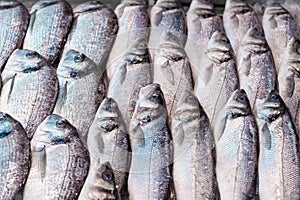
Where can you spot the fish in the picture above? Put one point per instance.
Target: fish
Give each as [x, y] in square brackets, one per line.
[193, 143]
[166, 16]
[49, 26]
[279, 163]
[289, 80]
[81, 90]
[238, 18]
[202, 22]
[15, 19]
[30, 88]
[217, 75]
[133, 72]
[108, 141]
[134, 22]
[101, 184]
[93, 31]
[150, 174]
[14, 157]
[256, 67]
[279, 23]
[171, 69]
[236, 139]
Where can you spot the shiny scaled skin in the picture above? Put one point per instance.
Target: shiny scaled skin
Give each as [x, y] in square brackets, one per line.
[14, 157]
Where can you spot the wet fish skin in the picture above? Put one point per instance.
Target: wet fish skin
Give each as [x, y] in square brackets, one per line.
[166, 15]
[81, 90]
[172, 69]
[14, 157]
[279, 145]
[93, 31]
[15, 18]
[29, 89]
[238, 18]
[256, 68]
[289, 82]
[133, 72]
[202, 22]
[151, 147]
[217, 75]
[236, 139]
[193, 167]
[134, 25]
[108, 141]
[48, 16]
[60, 162]
[279, 23]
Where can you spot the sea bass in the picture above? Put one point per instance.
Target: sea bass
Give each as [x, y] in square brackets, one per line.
[134, 25]
[108, 140]
[172, 70]
[81, 90]
[167, 15]
[217, 76]
[279, 27]
[14, 157]
[150, 173]
[202, 22]
[133, 72]
[279, 163]
[93, 31]
[14, 22]
[29, 91]
[60, 162]
[238, 18]
[255, 64]
[236, 138]
[193, 167]
[49, 25]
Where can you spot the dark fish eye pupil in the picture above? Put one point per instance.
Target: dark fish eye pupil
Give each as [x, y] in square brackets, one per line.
[29, 55]
[59, 123]
[273, 97]
[298, 50]
[3, 117]
[107, 176]
[241, 98]
[73, 74]
[78, 59]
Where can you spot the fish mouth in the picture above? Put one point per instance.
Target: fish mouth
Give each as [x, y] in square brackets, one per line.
[89, 6]
[8, 4]
[168, 4]
[276, 9]
[206, 12]
[134, 3]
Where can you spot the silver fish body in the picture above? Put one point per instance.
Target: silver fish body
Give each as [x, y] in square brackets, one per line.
[81, 90]
[14, 157]
[256, 68]
[60, 162]
[236, 139]
[289, 80]
[49, 25]
[134, 25]
[279, 171]
[279, 27]
[217, 76]
[93, 31]
[108, 141]
[14, 23]
[167, 15]
[193, 166]
[133, 72]
[238, 18]
[29, 89]
[172, 70]
[150, 173]
[202, 22]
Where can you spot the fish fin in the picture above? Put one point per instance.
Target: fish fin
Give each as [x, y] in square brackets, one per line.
[235, 21]
[273, 22]
[39, 161]
[139, 136]
[207, 73]
[40, 5]
[156, 16]
[63, 94]
[31, 22]
[290, 85]
[123, 72]
[100, 143]
[11, 87]
[246, 65]
[219, 128]
[167, 70]
[179, 137]
[120, 10]
[266, 136]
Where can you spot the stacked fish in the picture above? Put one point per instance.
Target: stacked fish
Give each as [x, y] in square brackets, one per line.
[97, 104]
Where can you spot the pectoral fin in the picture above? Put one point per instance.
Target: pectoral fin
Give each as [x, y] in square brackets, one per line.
[179, 136]
[266, 136]
[139, 136]
[219, 127]
[273, 22]
[290, 85]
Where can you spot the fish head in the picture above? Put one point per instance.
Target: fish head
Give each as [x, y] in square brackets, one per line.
[203, 8]
[88, 6]
[108, 115]
[75, 65]
[271, 108]
[8, 125]
[25, 61]
[238, 7]
[54, 130]
[254, 41]
[275, 10]
[168, 4]
[219, 48]
[238, 104]
[7, 4]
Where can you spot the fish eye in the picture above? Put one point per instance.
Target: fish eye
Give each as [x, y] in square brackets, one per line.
[107, 176]
[241, 98]
[207, 15]
[3, 117]
[78, 58]
[298, 50]
[176, 58]
[224, 40]
[59, 123]
[30, 54]
[73, 74]
[274, 97]
[245, 10]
